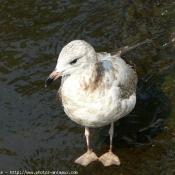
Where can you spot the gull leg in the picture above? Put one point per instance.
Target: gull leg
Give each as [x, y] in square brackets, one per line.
[110, 158]
[89, 156]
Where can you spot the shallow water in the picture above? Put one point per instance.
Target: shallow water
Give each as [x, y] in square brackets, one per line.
[36, 135]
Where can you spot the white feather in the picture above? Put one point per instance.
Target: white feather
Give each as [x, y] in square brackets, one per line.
[92, 99]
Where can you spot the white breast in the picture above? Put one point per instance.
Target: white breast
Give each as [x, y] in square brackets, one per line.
[112, 97]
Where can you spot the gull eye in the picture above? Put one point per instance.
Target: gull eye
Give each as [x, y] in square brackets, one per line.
[74, 61]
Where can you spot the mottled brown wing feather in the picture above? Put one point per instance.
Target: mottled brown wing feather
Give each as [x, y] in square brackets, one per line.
[124, 57]
[59, 98]
[132, 65]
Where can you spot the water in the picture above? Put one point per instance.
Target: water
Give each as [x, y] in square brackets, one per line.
[35, 133]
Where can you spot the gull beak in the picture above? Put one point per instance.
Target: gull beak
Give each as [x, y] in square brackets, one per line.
[52, 77]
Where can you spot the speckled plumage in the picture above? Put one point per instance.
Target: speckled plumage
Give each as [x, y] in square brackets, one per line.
[96, 89]
[101, 91]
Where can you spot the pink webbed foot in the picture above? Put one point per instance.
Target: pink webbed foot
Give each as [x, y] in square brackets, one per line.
[86, 158]
[109, 158]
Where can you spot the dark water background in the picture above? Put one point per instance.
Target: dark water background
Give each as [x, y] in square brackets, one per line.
[35, 134]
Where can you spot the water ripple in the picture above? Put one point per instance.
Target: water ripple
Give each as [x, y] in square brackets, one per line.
[36, 133]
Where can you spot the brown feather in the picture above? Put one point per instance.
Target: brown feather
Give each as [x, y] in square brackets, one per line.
[123, 56]
[59, 98]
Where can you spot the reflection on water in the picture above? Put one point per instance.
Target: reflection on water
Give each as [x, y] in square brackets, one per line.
[36, 134]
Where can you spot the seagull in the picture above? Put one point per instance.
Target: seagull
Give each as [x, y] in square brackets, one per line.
[96, 90]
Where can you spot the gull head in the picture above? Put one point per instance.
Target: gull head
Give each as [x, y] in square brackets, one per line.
[73, 57]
